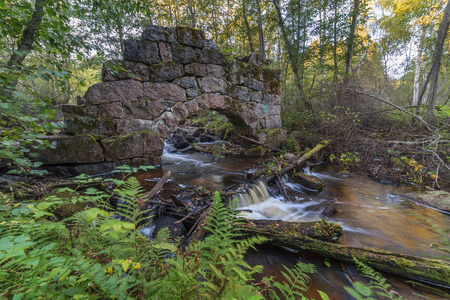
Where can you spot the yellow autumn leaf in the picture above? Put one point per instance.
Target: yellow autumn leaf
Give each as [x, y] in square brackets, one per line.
[126, 265]
[136, 266]
[110, 270]
[434, 177]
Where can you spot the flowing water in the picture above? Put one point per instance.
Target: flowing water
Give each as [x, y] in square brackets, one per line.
[372, 215]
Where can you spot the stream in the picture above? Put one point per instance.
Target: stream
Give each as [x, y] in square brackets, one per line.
[371, 214]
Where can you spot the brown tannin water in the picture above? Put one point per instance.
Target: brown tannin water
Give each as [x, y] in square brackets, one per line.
[372, 215]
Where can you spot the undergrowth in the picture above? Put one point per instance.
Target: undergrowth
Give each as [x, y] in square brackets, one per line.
[98, 252]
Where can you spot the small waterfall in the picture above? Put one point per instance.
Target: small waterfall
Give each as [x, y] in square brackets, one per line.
[307, 170]
[256, 194]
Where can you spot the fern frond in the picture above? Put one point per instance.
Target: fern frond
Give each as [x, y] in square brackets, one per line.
[297, 280]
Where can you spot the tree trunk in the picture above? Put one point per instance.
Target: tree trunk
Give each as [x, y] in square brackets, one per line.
[24, 48]
[291, 57]
[192, 12]
[335, 43]
[262, 49]
[433, 76]
[351, 39]
[323, 36]
[247, 26]
[417, 71]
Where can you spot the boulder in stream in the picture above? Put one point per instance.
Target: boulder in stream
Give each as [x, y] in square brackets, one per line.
[435, 199]
[309, 181]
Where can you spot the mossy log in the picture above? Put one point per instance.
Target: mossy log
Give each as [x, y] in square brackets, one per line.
[301, 160]
[289, 167]
[319, 230]
[423, 269]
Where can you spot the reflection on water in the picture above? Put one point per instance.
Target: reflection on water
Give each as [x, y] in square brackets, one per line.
[372, 214]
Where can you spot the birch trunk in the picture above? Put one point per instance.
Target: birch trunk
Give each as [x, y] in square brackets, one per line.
[418, 69]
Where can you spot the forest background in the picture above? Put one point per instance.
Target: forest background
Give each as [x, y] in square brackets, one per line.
[372, 76]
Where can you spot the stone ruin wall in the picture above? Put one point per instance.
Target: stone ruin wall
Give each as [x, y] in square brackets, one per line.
[166, 76]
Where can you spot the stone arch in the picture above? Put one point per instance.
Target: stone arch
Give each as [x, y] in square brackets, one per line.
[165, 76]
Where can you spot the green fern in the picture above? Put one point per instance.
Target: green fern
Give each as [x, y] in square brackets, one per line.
[296, 283]
[376, 287]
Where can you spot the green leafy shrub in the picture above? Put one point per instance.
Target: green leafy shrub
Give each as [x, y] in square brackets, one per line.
[98, 253]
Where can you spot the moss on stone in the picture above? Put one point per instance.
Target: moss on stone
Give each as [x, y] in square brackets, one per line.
[256, 151]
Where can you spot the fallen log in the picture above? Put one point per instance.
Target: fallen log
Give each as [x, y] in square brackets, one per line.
[291, 164]
[273, 149]
[198, 230]
[329, 210]
[155, 190]
[423, 269]
[299, 161]
[320, 230]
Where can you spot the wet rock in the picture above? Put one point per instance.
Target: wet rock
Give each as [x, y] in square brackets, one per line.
[179, 140]
[122, 70]
[211, 84]
[165, 71]
[183, 54]
[155, 33]
[165, 51]
[206, 138]
[436, 199]
[71, 149]
[195, 69]
[164, 91]
[309, 181]
[141, 52]
[190, 37]
[113, 92]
